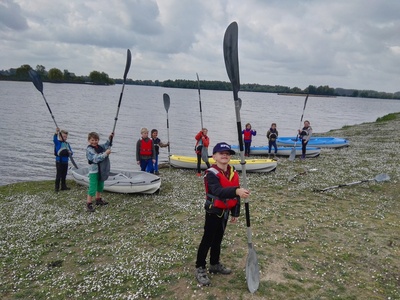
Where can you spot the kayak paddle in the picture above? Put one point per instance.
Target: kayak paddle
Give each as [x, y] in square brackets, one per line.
[230, 46]
[201, 112]
[293, 152]
[166, 106]
[378, 178]
[37, 82]
[127, 66]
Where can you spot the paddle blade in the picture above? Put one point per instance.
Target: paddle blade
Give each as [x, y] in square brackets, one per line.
[231, 56]
[292, 154]
[382, 177]
[204, 154]
[252, 271]
[36, 80]
[305, 103]
[166, 101]
[128, 63]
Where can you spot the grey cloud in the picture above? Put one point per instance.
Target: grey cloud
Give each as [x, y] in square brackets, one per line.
[11, 16]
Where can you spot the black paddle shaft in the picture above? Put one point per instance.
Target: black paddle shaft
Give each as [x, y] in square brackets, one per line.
[167, 103]
[201, 112]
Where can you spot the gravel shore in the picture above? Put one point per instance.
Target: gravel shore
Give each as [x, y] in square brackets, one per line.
[339, 244]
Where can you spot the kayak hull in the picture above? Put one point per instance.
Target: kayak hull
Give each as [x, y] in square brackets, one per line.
[125, 182]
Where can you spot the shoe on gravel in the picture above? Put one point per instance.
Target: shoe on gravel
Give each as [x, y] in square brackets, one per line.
[89, 207]
[219, 268]
[101, 202]
[201, 276]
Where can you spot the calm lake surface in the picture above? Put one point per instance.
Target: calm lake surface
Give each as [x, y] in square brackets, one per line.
[27, 128]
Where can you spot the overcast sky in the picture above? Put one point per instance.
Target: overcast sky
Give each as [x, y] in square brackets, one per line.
[340, 43]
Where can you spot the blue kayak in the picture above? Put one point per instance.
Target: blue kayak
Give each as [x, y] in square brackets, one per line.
[282, 151]
[321, 142]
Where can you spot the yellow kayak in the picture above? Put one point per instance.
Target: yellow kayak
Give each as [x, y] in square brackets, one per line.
[252, 165]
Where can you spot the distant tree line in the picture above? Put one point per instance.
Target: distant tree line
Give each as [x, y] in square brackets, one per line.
[101, 78]
[55, 75]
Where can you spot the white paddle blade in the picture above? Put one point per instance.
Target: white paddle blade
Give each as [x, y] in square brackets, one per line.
[382, 177]
[292, 154]
[252, 271]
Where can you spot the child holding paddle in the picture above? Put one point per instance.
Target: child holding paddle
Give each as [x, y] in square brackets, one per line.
[62, 151]
[153, 168]
[223, 193]
[201, 148]
[305, 135]
[247, 134]
[97, 156]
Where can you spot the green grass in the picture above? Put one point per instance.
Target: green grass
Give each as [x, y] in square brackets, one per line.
[341, 244]
[388, 117]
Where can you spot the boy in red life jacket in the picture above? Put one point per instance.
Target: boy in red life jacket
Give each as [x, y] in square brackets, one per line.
[145, 151]
[223, 195]
[247, 134]
[201, 148]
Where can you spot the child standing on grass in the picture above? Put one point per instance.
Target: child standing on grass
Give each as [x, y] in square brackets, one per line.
[99, 168]
[145, 151]
[153, 168]
[223, 194]
[201, 148]
[62, 151]
[247, 134]
[272, 135]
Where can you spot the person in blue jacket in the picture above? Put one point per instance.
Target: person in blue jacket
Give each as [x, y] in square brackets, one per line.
[62, 151]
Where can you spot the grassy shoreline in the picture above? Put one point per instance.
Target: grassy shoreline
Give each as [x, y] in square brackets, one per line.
[341, 244]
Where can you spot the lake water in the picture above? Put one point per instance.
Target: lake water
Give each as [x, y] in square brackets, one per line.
[27, 127]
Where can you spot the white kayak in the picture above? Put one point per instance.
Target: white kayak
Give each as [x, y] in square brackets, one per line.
[125, 182]
[252, 165]
[282, 151]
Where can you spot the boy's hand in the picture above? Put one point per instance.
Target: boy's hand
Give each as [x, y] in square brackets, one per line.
[242, 193]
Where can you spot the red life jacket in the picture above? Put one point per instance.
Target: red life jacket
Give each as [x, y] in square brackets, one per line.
[233, 181]
[205, 141]
[146, 147]
[247, 135]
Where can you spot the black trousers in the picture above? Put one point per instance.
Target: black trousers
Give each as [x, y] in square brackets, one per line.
[61, 175]
[303, 148]
[214, 229]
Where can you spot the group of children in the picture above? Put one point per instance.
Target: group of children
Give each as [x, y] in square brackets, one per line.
[272, 134]
[147, 151]
[221, 181]
[203, 141]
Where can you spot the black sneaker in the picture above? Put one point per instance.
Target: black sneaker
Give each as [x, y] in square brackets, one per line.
[89, 207]
[201, 276]
[65, 188]
[101, 202]
[219, 268]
